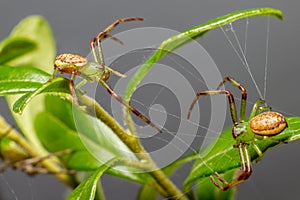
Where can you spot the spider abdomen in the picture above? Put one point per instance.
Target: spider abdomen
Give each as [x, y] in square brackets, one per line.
[268, 124]
[69, 63]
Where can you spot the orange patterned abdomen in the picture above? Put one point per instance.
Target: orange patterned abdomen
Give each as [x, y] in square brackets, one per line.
[69, 63]
[268, 124]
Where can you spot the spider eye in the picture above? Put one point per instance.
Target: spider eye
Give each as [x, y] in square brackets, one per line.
[239, 130]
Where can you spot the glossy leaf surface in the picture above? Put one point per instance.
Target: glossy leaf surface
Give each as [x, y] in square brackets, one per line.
[16, 80]
[12, 48]
[87, 189]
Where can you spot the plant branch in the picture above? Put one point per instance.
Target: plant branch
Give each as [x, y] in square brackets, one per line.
[50, 164]
[133, 143]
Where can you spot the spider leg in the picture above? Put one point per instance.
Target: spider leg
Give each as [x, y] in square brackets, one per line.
[97, 52]
[72, 90]
[244, 172]
[115, 72]
[95, 43]
[54, 74]
[216, 92]
[244, 95]
[264, 108]
[259, 109]
[132, 109]
[117, 22]
[113, 38]
[255, 107]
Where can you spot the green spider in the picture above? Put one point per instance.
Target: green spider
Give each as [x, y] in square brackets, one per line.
[261, 125]
[77, 65]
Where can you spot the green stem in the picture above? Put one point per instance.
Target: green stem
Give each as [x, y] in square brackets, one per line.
[134, 145]
[145, 167]
[49, 164]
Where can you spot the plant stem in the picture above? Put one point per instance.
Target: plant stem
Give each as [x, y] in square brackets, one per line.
[145, 167]
[134, 145]
[50, 164]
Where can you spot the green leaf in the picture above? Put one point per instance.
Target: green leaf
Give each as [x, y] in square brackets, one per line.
[58, 86]
[59, 137]
[207, 191]
[12, 48]
[87, 189]
[180, 39]
[98, 137]
[61, 109]
[146, 192]
[70, 128]
[16, 80]
[221, 156]
[37, 30]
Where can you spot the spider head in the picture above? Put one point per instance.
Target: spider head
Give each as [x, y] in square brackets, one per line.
[239, 129]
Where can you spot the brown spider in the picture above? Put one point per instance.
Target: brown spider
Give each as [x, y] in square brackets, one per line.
[260, 126]
[77, 65]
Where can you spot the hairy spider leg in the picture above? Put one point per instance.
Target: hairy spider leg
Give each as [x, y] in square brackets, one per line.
[244, 172]
[256, 107]
[95, 43]
[96, 47]
[259, 109]
[216, 92]
[119, 99]
[114, 38]
[72, 90]
[132, 109]
[71, 81]
[244, 95]
[117, 22]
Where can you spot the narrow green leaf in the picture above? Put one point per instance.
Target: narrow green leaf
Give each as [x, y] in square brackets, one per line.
[87, 189]
[16, 80]
[180, 39]
[58, 86]
[222, 156]
[12, 48]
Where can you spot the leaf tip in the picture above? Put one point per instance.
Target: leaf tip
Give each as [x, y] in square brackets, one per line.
[17, 110]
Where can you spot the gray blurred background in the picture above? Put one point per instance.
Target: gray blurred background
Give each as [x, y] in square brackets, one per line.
[75, 22]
